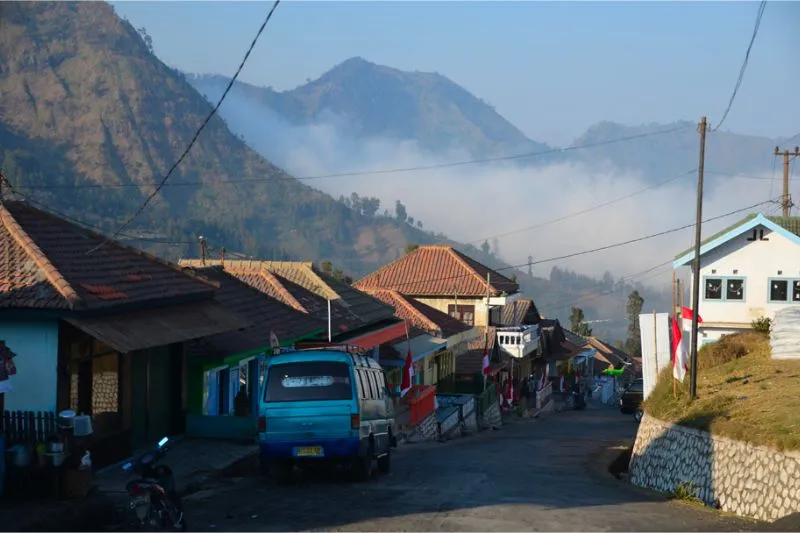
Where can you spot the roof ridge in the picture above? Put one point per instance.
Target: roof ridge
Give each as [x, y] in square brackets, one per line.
[377, 273]
[273, 280]
[471, 270]
[33, 251]
[416, 312]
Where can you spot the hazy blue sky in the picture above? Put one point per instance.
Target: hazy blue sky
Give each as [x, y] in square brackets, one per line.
[552, 69]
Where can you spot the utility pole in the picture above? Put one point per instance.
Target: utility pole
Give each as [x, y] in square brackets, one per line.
[786, 199]
[696, 267]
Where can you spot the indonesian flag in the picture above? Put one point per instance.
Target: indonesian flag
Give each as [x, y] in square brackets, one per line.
[687, 314]
[510, 391]
[680, 359]
[485, 364]
[408, 375]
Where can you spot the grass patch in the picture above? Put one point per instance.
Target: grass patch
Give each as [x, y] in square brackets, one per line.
[685, 491]
[741, 394]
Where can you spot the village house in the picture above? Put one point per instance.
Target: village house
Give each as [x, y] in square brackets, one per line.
[748, 271]
[222, 366]
[607, 356]
[99, 328]
[351, 316]
[445, 339]
[445, 279]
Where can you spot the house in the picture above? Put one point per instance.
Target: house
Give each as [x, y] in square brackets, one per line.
[607, 356]
[100, 328]
[437, 366]
[748, 271]
[445, 279]
[351, 316]
[219, 365]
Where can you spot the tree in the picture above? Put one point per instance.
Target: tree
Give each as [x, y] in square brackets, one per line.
[326, 267]
[485, 247]
[370, 206]
[400, 211]
[419, 224]
[411, 247]
[577, 322]
[411, 220]
[148, 41]
[633, 345]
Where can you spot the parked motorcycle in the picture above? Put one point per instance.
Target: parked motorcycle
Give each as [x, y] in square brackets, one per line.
[154, 503]
[576, 399]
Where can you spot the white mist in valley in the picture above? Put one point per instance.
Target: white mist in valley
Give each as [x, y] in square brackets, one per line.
[471, 203]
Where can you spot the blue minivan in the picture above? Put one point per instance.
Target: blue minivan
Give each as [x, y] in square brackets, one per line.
[325, 405]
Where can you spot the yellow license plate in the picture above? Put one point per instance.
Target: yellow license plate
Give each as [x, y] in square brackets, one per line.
[309, 451]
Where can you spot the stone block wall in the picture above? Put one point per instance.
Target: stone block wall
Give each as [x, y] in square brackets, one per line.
[426, 430]
[734, 476]
[105, 393]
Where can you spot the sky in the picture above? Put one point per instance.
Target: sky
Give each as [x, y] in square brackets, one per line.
[551, 68]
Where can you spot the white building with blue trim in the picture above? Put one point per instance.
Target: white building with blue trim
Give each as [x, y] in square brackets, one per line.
[748, 271]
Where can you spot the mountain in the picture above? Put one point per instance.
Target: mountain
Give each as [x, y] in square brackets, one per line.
[367, 101]
[372, 101]
[665, 155]
[91, 120]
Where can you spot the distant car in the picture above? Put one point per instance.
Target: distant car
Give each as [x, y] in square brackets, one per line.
[630, 402]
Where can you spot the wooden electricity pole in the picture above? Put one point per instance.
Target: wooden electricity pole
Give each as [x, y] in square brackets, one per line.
[696, 264]
[786, 199]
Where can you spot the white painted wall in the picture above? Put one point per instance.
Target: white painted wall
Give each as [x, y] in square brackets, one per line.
[655, 336]
[33, 388]
[756, 261]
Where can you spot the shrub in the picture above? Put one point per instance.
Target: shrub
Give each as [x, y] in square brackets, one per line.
[762, 325]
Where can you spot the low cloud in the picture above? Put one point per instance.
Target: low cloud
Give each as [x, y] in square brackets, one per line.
[473, 202]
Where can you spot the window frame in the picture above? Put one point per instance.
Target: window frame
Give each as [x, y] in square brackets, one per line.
[789, 290]
[724, 289]
[459, 311]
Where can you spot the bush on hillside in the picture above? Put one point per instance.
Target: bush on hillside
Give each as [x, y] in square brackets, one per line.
[762, 325]
[730, 348]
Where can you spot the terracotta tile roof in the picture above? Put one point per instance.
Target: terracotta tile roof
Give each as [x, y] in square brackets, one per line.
[388, 351]
[437, 271]
[265, 313]
[613, 355]
[420, 315]
[519, 312]
[288, 292]
[44, 265]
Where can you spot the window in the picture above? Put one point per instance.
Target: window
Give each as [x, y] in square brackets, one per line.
[302, 382]
[784, 290]
[464, 313]
[724, 289]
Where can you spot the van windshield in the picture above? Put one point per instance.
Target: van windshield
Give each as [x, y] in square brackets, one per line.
[302, 382]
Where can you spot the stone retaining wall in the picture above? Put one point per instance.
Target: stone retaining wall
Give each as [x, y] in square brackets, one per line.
[733, 476]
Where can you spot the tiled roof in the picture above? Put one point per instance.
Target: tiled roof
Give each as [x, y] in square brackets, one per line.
[420, 315]
[437, 271]
[265, 313]
[299, 297]
[614, 355]
[45, 264]
[790, 224]
[388, 351]
[520, 312]
[370, 310]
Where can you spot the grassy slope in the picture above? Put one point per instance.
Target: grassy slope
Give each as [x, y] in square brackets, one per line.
[741, 393]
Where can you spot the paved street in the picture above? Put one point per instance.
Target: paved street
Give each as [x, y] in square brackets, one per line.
[532, 475]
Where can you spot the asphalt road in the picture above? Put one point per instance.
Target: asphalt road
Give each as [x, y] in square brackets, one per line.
[531, 475]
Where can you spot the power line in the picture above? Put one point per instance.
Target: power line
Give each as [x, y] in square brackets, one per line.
[585, 252]
[199, 130]
[287, 177]
[587, 210]
[743, 68]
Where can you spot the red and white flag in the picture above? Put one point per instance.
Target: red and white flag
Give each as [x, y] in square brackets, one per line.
[510, 391]
[408, 375]
[687, 314]
[485, 363]
[680, 359]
